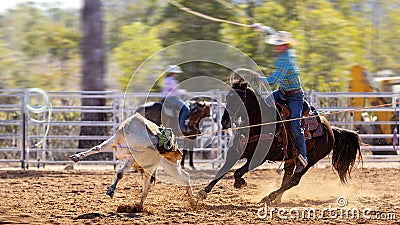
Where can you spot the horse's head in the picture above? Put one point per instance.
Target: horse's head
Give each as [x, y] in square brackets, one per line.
[235, 99]
[198, 111]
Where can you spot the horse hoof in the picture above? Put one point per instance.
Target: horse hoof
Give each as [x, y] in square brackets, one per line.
[278, 201]
[74, 158]
[240, 183]
[201, 195]
[270, 198]
[265, 200]
[110, 192]
[193, 202]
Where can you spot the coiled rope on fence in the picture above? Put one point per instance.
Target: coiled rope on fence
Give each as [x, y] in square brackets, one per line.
[46, 107]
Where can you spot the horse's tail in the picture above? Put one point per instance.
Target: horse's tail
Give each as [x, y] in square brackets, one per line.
[345, 151]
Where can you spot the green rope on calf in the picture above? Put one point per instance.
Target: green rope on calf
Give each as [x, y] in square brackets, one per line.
[166, 140]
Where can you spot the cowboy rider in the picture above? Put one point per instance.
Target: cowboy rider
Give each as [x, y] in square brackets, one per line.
[172, 95]
[287, 75]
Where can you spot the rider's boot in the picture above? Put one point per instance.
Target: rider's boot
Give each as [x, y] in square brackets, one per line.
[302, 162]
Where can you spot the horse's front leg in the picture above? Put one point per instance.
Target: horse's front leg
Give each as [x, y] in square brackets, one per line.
[232, 156]
[184, 153]
[288, 172]
[128, 164]
[239, 181]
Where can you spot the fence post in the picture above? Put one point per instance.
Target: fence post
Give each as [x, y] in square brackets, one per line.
[23, 126]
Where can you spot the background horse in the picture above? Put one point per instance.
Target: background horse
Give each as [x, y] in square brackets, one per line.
[345, 144]
[198, 110]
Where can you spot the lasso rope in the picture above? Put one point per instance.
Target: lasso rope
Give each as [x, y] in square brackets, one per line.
[188, 10]
[289, 120]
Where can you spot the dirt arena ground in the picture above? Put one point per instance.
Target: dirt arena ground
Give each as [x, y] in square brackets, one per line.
[77, 197]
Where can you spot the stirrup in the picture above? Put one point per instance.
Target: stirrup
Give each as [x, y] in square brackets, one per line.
[303, 160]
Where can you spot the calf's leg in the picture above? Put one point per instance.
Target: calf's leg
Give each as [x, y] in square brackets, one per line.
[145, 188]
[118, 176]
[180, 177]
[106, 145]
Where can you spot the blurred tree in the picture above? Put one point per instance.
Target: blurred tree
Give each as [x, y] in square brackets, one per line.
[93, 68]
[8, 65]
[44, 42]
[177, 26]
[121, 13]
[327, 47]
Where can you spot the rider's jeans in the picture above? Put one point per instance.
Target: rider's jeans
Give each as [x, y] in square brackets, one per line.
[295, 105]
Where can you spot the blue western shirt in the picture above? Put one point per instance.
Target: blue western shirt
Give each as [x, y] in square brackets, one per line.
[287, 73]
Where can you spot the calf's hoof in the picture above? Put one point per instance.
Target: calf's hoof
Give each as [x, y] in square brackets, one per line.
[201, 195]
[74, 158]
[110, 192]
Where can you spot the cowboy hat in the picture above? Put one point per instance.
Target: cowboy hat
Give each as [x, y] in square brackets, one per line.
[280, 38]
[173, 69]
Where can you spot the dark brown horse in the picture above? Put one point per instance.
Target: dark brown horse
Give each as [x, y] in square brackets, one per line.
[345, 144]
[198, 110]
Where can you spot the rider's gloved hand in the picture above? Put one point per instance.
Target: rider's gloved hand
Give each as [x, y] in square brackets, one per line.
[257, 26]
[260, 27]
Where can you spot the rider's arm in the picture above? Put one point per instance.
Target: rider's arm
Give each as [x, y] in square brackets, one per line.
[280, 69]
[171, 88]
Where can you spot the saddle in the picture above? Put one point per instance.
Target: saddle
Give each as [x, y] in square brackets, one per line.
[311, 125]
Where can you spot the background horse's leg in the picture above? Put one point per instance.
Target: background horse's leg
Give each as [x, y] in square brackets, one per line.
[184, 153]
[191, 148]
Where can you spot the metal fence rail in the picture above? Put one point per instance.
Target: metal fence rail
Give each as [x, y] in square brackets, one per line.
[21, 129]
[328, 103]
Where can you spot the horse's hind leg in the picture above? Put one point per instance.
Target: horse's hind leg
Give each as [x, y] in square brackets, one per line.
[288, 168]
[239, 181]
[294, 180]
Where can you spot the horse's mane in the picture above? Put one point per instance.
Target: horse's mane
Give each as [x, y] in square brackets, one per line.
[241, 84]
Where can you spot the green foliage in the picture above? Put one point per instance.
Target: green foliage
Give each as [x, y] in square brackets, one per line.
[139, 41]
[39, 46]
[327, 48]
